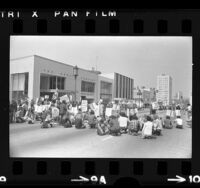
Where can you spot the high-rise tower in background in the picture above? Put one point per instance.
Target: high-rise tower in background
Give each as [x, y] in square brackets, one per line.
[164, 87]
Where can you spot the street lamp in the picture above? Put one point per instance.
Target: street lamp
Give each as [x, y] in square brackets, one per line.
[75, 73]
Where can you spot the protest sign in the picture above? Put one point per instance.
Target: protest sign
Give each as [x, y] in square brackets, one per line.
[108, 112]
[84, 104]
[55, 112]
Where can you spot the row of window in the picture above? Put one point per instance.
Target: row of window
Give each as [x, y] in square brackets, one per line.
[124, 87]
[52, 82]
[106, 88]
[87, 86]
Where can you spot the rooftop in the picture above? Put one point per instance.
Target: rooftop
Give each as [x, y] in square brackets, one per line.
[34, 55]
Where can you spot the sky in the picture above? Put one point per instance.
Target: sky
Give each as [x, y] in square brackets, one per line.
[141, 58]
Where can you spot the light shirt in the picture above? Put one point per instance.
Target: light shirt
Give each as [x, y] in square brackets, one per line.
[147, 129]
[168, 113]
[123, 121]
[178, 113]
[189, 108]
[179, 121]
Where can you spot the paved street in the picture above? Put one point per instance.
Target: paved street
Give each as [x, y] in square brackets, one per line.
[28, 140]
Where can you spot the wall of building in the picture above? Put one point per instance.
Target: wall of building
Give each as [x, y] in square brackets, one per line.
[123, 86]
[104, 79]
[164, 87]
[22, 65]
[47, 66]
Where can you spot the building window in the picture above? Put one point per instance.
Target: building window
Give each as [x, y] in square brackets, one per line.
[19, 85]
[87, 86]
[44, 82]
[60, 83]
[52, 82]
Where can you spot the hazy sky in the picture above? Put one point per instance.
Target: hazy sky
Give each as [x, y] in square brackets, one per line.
[142, 58]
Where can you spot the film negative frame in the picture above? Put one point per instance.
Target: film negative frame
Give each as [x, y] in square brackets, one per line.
[116, 171]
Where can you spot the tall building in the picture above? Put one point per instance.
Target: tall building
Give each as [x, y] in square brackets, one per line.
[123, 85]
[164, 87]
[179, 95]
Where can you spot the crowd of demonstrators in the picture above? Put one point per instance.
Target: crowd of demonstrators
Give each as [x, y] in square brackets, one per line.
[124, 119]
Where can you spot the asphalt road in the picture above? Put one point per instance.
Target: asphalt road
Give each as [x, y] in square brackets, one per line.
[28, 140]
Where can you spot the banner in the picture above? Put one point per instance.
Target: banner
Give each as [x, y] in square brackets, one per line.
[84, 104]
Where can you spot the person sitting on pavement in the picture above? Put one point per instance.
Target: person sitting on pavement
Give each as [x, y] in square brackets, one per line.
[167, 123]
[134, 125]
[148, 128]
[47, 123]
[29, 117]
[38, 111]
[92, 120]
[55, 112]
[79, 120]
[157, 126]
[20, 114]
[123, 122]
[142, 120]
[114, 127]
[178, 122]
[102, 128]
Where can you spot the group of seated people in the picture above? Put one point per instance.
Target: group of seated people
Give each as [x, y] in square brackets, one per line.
[147, 125]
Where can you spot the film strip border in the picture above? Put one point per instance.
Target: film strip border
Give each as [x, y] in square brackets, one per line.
[126, 23]
[115, 26]
[114, 171]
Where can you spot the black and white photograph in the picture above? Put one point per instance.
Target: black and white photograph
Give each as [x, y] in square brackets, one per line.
[100, 96]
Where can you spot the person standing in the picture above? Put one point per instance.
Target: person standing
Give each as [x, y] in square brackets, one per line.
[62, 111]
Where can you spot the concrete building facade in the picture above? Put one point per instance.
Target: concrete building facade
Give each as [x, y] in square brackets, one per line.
[123, 85]
[35, 76]
[164, 87]
[105, 88]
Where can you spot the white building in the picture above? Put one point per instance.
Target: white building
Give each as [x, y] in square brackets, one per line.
[35, 76]
[179, 95]
[164, 87]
